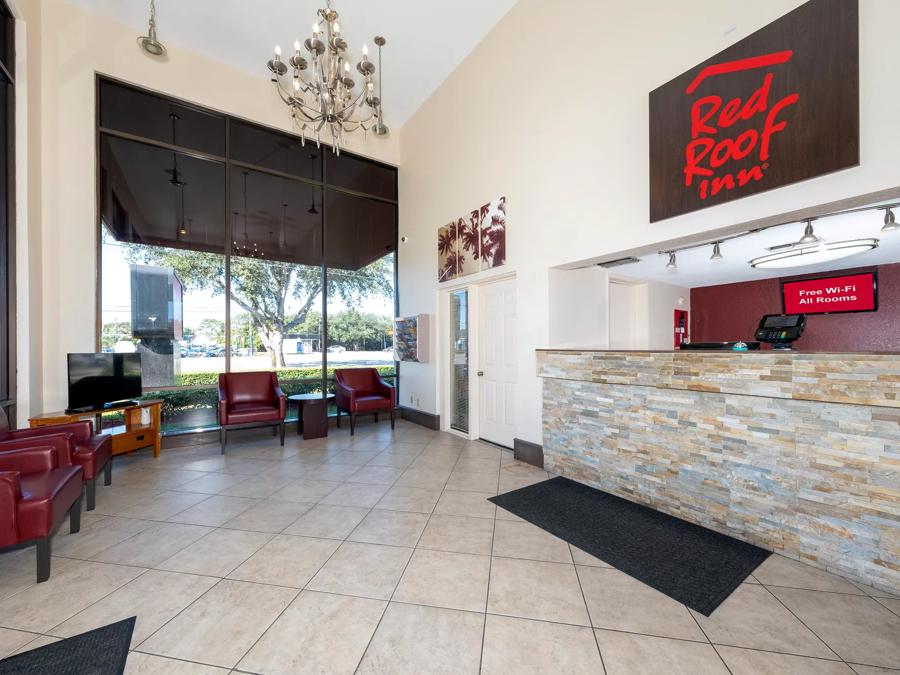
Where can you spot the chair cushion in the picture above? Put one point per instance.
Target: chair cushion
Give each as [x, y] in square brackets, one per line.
[46, 498]
[93, 454]
[254, 387]
[245, 413]
[372, 403]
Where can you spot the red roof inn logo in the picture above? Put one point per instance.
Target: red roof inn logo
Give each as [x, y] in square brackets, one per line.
[711, 150]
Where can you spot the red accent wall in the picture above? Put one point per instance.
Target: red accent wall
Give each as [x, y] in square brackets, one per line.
[732, 312]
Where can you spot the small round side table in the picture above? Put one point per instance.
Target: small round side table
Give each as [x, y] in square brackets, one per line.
[301, 400]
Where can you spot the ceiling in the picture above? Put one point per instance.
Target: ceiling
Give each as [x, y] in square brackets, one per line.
[426, 40]
[696, 269]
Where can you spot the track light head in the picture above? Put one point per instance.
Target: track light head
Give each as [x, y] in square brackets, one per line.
[717, 252]
[890, 221]
[672, 264]
[809, 237]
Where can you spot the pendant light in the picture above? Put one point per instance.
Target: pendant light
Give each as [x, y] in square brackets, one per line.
[809, 237]
[717, 252]
[890, 221]
[149, 43]
[672, 264]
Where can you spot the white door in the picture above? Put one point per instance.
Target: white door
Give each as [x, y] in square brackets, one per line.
[498, 373]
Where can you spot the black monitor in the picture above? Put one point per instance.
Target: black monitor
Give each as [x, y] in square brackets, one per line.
[98, 380]
[780, 330]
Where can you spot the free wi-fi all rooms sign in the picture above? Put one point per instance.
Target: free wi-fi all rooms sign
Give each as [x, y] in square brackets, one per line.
[778, 107]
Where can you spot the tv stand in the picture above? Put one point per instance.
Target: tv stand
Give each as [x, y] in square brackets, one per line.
[131, 435]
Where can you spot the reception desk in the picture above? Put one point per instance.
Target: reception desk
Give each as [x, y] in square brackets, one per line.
[796, 452]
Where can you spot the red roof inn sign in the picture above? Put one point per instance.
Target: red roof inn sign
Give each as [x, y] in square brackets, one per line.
[780, 106]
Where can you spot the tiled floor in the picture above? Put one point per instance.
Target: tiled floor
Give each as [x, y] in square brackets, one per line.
[380, 554]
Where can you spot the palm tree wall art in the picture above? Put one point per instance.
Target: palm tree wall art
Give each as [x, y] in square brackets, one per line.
[473, 243]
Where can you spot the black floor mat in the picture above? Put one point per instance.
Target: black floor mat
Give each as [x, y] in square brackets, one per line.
[689, 563]
[102, 651]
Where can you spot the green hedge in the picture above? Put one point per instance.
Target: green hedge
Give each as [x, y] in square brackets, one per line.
[284, 375]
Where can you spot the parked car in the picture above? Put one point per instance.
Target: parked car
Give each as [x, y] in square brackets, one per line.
[215, 350]
[336, 349]
[388, 349]
[195, 350]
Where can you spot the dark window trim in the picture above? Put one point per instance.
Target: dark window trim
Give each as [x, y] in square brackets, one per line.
[229, 162]
[9, 264]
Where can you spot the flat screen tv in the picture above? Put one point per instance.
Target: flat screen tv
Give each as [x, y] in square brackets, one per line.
[98, 380]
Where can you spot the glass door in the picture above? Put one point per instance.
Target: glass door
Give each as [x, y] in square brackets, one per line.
[459, 358]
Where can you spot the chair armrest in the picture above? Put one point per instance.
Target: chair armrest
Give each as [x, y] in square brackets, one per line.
[81, 431]
[386, 390]
[10, 494]
[62, 443]
[36, 459]
[223, 401]
[344, 396]
[282, 401]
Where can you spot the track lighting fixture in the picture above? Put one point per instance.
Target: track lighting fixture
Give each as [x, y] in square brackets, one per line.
[890, 221]
[809, 237]
[672, 264]
[149, 43]
[717, 252]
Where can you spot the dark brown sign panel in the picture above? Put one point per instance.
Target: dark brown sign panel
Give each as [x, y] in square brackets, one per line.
[780, 106]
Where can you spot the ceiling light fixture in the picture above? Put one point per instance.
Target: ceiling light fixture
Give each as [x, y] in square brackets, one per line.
[672, 264]
[890, 221]
[320, 92]
[809, 237]
[811, 255]
[148, 42]
[717, 252]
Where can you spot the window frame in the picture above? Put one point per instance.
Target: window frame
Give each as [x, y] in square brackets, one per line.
[8, 257]
[229, 164]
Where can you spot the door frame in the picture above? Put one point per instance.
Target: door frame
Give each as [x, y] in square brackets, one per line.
[444, 363]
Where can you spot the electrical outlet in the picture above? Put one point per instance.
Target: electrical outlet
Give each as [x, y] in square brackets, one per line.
[412, 401]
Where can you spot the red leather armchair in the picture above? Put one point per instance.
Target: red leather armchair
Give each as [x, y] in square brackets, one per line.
[361, 390]
[248, 400]
[76, 445]
[36, 493]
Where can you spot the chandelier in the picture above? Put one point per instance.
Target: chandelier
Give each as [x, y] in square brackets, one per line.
[319, 88]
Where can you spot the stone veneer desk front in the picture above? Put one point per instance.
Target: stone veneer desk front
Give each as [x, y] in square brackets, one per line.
[796, 452]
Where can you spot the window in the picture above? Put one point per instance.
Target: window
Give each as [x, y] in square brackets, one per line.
[217, 237]
[7, 214]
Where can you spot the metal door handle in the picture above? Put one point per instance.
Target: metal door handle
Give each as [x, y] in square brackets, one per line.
[480, 373]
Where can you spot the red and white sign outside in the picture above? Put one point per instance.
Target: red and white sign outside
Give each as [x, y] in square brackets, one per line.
[852, 293]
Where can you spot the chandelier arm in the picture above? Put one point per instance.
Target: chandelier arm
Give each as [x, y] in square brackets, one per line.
[352, 105]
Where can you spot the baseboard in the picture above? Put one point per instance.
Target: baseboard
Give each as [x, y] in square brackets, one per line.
[424, 419]
[528, 452]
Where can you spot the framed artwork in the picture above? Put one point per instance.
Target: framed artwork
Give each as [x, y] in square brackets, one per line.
[411, 338]
[447, 253]
[493, 234]
[473, 243]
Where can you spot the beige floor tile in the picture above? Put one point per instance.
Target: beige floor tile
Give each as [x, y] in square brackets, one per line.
[528, 647]
[424, 640]
[330, 472]
[154, 598]
[524, 540]
[474, 465]
[536, 590]
[480, 451]
[441, 579]
[461, 503]
[751, 617]
[216, 554]
[424, 478]
[156, 479]
[376, 475]
[355, 494]
[892, 604]
[363, 570]
[394, 460]
[212, 483]
[244, 466]
[402, 498]
[257, 487]
[98, 537]
[162, 506]
[306, 490]
[148, 664]
[458, 534]
[286, 560]
[753, 662]
[18, 570]
[318, 633]
[69, 590]
[509, 483]
[397, 528]
[357, 457]
[220, 627]
[503, 514]
[624, 654]
[780, 571]
[153, 545]
[435, 463]
[111, 500]
[619, 602]
[331, 522]
[12, 640]
[582, 558]
[268, 515]
[873, 670]
[214, 512]
[473, 481]
[859, 629]
[40, 641]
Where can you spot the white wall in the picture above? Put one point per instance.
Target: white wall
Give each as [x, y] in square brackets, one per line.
[578, 306]
[662, 300]
[551, 111]
[74, 46]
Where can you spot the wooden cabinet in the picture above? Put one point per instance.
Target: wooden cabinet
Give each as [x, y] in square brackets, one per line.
[140, 427]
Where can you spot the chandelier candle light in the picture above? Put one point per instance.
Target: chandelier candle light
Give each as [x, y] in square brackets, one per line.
[321, 92]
